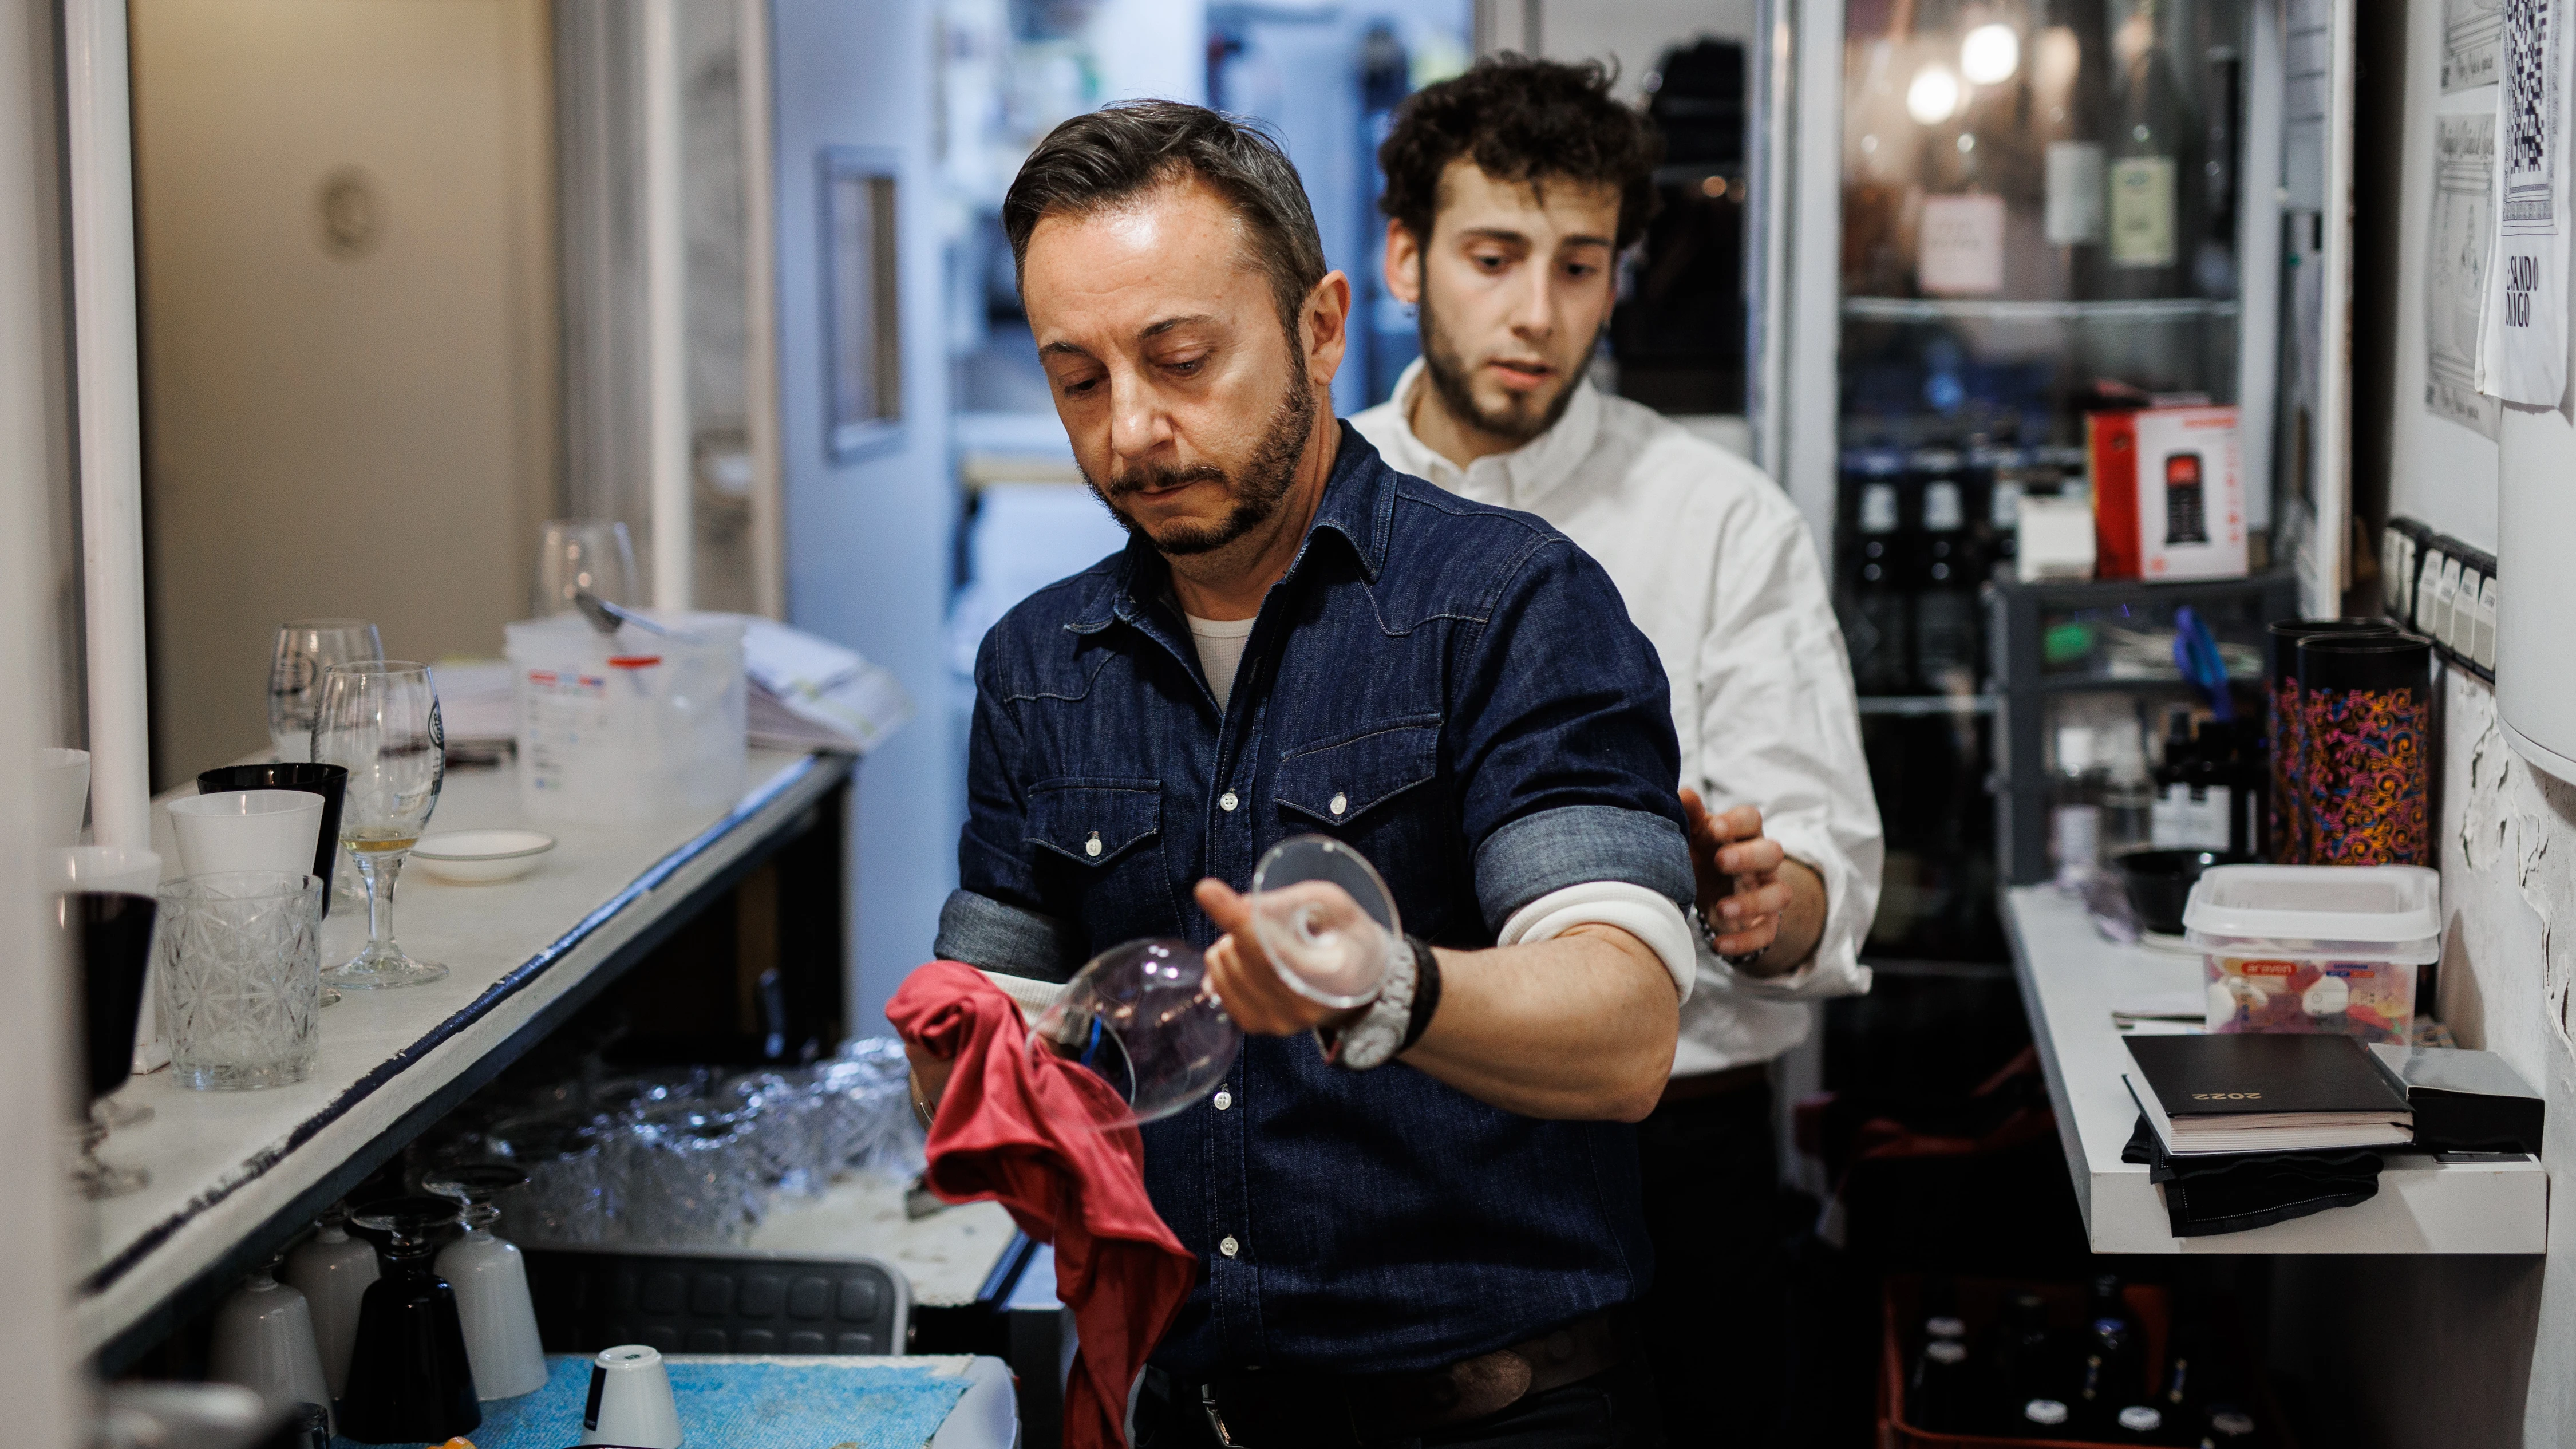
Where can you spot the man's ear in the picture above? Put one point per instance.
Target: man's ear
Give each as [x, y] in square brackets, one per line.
[1327, 327]
[1403, 264]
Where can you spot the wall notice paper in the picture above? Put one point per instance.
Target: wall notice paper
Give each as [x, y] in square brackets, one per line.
[1959, 246]
[2470, 30]
[2522, 329]
[2457, 242]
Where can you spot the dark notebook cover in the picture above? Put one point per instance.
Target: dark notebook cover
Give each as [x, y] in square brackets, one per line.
[2240, 1074]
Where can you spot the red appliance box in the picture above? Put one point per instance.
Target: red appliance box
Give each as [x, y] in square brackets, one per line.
[2168, 502]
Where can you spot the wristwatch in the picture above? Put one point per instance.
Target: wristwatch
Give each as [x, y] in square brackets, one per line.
[1388, 1024]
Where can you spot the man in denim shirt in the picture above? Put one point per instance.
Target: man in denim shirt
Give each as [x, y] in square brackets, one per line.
[1421, 1232]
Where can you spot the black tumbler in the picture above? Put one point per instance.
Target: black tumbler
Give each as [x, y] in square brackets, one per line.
[2285, 839]
[2366, 721]
[331, 782]
[114, 929]
[409, 1380]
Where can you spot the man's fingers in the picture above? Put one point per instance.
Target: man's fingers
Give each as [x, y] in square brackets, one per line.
[1751, 857]
[1762, 900]
[1756, 937]
[1744, 822]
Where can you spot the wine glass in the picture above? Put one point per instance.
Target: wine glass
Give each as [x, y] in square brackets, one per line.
[584, 553]
[380, 721]
[1141, 1018]
[306, 649]
[1326, 920]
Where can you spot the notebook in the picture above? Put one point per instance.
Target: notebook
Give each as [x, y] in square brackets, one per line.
[2252, 1092]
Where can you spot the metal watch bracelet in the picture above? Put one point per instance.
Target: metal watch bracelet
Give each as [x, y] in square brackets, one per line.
[1373, 1039]
[1742, 961]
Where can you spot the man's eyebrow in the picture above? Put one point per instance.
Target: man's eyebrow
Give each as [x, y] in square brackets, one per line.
[1062, 349]
[1168, 323]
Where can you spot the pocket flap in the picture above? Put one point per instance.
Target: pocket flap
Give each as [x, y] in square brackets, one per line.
[1341, 780]
[1093, 822]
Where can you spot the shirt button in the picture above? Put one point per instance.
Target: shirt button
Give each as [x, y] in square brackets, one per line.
[1092, 846]
[1341, 802]
[1226, 801]
[1224, 1099]
[1229, 1247]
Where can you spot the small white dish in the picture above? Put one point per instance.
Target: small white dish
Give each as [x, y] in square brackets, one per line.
[479, 856]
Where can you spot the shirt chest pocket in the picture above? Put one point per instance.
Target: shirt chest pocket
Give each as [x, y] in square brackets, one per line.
[1099, 842]
[1374, 790]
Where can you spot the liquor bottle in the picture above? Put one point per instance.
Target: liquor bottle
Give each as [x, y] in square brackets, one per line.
[2138, 1424]
[2214, 269]
[1882, 655]
[1945, 601]
[2070, 83]
[2074, 809]
[2043, 1419]
[1938, 1401]
[2112, 1378]
[2179, 1400]
[2026, 1360]
[2128, 794]
[2153, 207]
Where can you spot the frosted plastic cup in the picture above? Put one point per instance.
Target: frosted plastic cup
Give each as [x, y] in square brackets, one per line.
[62, 795]
[273, 830]
[126, 868]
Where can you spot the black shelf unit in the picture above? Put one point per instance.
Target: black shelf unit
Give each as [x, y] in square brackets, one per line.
[2017, 620]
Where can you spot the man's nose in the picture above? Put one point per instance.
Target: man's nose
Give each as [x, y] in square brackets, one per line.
[1138, 424]
[1533, 305]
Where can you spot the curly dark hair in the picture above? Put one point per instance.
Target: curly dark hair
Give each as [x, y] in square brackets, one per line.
[1127, 148]
[1520, 119]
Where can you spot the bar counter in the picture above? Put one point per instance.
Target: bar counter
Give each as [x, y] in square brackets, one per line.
[235, 1173]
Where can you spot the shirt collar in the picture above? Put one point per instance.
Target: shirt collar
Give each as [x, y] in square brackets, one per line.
[1517, 479]
[1358, 504]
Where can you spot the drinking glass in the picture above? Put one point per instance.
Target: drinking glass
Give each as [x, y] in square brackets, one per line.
[410, 1380]
[238, 981]
[113, 932]
[1326, 920]
[306, 650]
[379, 721]
[133, 871]
[1142, 1019]
[584, 553]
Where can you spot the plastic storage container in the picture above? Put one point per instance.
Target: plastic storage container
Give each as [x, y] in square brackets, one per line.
[631, 727]
[2315, 948]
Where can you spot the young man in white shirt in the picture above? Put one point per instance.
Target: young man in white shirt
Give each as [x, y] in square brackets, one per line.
[1510, 192]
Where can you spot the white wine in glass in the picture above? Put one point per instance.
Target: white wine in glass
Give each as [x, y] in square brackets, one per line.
[379, 720]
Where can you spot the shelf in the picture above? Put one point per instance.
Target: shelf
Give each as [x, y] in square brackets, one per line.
[1975, 309]
[2107, 684]
[234, 1172]
[1923, 704]
[2071, 978]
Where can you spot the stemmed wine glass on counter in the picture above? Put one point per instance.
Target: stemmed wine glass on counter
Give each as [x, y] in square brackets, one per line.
[305, 651]
[379, 720]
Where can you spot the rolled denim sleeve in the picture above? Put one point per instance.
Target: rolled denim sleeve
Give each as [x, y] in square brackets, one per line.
[1564, 741]
[997, 918]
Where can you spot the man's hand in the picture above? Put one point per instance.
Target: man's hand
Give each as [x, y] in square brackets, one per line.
[1255, 996]
[1754, 897]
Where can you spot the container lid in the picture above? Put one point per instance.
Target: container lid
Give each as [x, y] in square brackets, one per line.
[2372, 903]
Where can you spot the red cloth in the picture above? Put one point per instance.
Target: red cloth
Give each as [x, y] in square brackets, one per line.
[1026, 1132]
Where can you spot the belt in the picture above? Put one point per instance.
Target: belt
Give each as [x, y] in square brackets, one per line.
[1701, 1086]
[1270, 1410]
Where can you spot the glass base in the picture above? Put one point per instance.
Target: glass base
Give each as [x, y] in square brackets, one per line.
[97, 1180]
[232, 1077]
[330, 997]
[378, 970]
[112, 1113]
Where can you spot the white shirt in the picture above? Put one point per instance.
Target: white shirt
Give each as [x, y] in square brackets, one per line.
[1220, 644]
[1718, 570]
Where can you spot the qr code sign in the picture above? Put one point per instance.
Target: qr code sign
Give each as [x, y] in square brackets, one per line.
[2530, 113]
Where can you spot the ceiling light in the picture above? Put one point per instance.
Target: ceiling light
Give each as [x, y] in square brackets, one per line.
[1934, 95]
[1990, 54]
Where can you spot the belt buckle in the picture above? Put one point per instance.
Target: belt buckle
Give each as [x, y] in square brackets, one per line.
[1215, 1418]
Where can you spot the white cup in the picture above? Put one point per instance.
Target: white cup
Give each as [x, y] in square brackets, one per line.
[107, 868]
[62, 795]
[247, 830]
[630, 1400]
[263, 1339]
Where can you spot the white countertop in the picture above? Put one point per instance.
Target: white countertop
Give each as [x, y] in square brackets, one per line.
[224, 1163]
[2071, 978]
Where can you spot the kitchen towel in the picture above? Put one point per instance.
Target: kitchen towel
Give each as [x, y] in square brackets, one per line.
[1030, 1131]
[745, 1403]
[2231, 1192]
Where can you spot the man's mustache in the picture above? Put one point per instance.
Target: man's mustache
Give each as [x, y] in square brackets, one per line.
[1128, 484]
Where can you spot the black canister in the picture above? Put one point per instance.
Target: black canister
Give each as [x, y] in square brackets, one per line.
[409, 1380]
[2365, 724]
[2285, 840]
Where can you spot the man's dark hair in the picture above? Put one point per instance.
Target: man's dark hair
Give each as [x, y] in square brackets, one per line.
[1121, 151]
[1520, 120]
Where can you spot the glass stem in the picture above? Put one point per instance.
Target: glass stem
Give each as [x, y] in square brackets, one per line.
[379, 872]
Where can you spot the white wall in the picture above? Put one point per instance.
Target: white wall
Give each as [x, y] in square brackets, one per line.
[870, 542]
[2477, 1351]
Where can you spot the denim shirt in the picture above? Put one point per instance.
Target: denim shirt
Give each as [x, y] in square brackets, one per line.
[1455, 690]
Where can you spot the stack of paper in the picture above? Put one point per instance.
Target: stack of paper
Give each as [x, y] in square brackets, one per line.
[808, 693]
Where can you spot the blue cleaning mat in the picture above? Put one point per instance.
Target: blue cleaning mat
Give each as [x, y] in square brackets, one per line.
[746, 1404]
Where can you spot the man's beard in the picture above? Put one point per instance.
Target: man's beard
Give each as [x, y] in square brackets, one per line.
[1516, 423]
[1256, 488]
